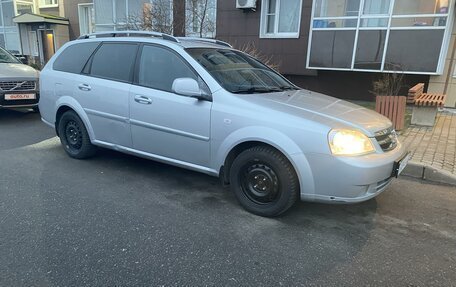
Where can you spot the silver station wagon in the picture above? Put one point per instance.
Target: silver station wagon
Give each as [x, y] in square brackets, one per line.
[201, 105]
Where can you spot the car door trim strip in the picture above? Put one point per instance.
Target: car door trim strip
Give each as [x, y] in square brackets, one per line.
[169, 130]
[106, 115]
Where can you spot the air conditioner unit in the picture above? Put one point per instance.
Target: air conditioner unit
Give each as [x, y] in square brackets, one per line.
[246, 4]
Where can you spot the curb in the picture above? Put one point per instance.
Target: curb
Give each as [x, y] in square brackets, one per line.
[429, 173]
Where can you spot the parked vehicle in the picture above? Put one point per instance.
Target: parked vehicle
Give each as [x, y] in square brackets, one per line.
[18, 83]
[201, 105]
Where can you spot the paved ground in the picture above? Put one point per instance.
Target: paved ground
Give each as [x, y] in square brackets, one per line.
[117, 220]
[434, 146]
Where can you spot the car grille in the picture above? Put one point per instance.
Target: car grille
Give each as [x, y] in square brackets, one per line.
[17, 86]
[387, 139]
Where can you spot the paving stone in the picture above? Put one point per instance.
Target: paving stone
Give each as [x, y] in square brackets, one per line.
[434, 147]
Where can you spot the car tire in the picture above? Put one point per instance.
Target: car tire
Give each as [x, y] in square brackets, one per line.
[74, 137]
[264, 181]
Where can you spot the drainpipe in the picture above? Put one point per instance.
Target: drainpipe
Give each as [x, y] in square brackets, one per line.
[450, 69]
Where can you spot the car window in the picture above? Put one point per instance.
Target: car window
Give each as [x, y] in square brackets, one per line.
[73, 58]
[239, 73]
[114, 61]
[6, 57]
[159, 67]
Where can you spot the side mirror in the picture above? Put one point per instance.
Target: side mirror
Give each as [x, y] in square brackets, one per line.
[189, 87]
[22, 59]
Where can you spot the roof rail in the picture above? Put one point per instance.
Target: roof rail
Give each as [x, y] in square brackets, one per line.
[214, 41]
[130, 34]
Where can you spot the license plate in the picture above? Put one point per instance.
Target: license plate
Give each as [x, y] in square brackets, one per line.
[400, 165]
[15, 97]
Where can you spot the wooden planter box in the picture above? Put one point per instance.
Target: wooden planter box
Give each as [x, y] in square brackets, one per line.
[392, 107]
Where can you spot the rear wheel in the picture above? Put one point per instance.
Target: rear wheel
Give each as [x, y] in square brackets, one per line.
[264, 181]
[74, 137]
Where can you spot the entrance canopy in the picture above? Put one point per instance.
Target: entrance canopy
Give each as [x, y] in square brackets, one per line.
[29, 18]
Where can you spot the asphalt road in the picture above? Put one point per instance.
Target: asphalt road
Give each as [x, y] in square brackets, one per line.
[118, 220]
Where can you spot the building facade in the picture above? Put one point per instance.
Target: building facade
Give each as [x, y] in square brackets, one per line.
[37, 28]
[340, 47]
[9, 32]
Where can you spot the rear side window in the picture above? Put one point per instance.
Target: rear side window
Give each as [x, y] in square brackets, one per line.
[73, 58]
[114, 61]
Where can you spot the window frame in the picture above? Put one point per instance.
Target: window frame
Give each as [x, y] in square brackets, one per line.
[389, 17]
[41, 4]
[87, 62]
[87, 69]
[23, 3]
[81, 8]
[276, 33]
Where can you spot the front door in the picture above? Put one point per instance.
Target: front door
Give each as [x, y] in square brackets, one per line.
[162, 122]
[47, 44]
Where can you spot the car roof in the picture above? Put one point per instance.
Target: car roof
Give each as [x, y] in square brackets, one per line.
[156, 37]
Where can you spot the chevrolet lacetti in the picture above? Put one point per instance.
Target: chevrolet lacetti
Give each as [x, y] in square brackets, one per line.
[201, 105]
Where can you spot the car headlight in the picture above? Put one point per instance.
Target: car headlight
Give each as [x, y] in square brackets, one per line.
[349, 142]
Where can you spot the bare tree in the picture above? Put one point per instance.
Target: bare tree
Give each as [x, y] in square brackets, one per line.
[156, 16]
[179, 17]
[170, 16]
[200, 19]
[251, 49]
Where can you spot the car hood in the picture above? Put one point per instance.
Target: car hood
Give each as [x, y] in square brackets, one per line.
[304, 103]
[17, 71]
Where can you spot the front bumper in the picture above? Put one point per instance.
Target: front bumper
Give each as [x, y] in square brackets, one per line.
[350, 179]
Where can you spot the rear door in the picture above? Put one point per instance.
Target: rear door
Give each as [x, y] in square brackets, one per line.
[162, 122]
[103, 91]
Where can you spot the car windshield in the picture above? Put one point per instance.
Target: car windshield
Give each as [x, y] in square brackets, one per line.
[239, 73]
[6, 57]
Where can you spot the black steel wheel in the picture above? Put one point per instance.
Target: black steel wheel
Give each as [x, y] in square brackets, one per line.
[74, 137]
[259, 182]
[264, 181]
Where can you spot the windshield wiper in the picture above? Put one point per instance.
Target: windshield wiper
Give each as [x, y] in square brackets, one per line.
[257, 90]
[285, 88]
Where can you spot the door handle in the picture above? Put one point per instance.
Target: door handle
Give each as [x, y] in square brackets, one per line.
[84, 87]
[143, 100]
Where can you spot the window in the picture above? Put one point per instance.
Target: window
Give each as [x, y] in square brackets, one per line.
[376, 7]
[335, 49]
[8, 13]
[23, 7]
[74, 58]
[49, 3]
[369, 51]
[379, 35]
[406, 51]
[239, 73]
[114, 61]
[6, 57]
[410, 7]
[159, 67]
[85, 12]
[280, 18]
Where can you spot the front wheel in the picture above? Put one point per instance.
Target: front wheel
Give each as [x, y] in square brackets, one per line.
[264, 181]
[74, 137]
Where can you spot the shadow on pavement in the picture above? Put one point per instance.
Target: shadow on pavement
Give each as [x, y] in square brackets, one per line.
[22, 127]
